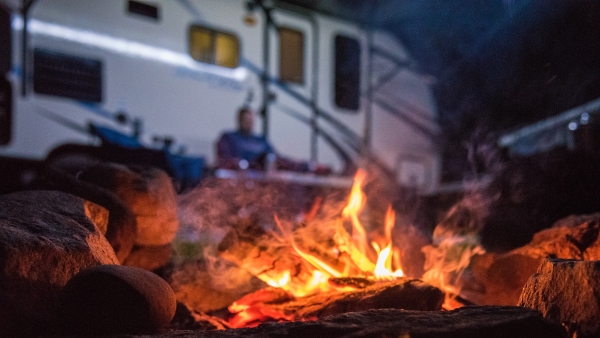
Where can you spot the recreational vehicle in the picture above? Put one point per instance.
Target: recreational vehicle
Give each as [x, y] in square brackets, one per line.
[171, 74]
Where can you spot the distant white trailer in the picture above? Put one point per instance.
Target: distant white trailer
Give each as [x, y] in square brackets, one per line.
[327, 90]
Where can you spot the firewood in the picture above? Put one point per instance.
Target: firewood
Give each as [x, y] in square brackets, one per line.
[409, 294]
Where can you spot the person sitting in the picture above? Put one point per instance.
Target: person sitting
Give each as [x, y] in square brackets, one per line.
[241, 149]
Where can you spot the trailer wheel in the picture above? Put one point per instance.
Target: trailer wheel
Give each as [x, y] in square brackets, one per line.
[74, 158]
[73, 163]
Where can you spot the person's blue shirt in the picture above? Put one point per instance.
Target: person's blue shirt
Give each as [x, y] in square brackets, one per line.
[235, 146]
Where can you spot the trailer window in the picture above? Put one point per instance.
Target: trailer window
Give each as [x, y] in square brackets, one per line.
[347, 72]
[5, 111]
[5, 44]
[67, 76]
[215, 47]
[226, 50]
[291, 55]
[143, 9]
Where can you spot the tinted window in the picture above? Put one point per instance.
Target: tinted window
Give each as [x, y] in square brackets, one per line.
[5, 111]
[5, 45]
[140, 8]
[347, 72]
[67, 76]
[215, 47]
[291, 55]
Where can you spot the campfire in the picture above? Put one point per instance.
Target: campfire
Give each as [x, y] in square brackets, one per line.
[310, 264]
[343, 263]
[339, 265]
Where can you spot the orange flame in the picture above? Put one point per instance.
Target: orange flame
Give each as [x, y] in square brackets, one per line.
[383, 267]
[355, 205]
[353, 260]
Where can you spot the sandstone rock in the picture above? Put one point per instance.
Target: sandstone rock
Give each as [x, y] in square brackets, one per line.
[115, 299]
[121, 228]
[498, 279]
[574, 237]
[149, 257]
[567, 292]
[46, 237]
[150, 195]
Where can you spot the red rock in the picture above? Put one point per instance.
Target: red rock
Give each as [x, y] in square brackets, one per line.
[150, 195]
[567, 292]
[115, 299]
[46, 237]
[498, 279]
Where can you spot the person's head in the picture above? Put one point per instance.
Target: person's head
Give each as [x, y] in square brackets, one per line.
[246, 120]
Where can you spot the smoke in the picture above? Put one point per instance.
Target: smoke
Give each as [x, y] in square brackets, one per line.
[456, 237]
[221, 212]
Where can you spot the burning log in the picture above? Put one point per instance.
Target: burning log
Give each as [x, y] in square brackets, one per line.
[409, 295]
[275, 304]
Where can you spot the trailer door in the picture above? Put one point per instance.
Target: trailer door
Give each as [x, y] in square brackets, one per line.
[5, 86]
[290, 114]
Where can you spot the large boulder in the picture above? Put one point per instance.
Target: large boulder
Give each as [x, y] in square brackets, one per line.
[121, 228]
[567, 292]
[498, 278]
[46, 237]
[115, 299]
[573, 237]
[148, 192]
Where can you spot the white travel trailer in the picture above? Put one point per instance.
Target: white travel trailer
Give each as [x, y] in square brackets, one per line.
[332, 91]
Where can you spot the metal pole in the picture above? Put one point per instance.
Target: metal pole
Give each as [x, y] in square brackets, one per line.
[24, 10]
[264, 111]
[315, 89]
[26, 4]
